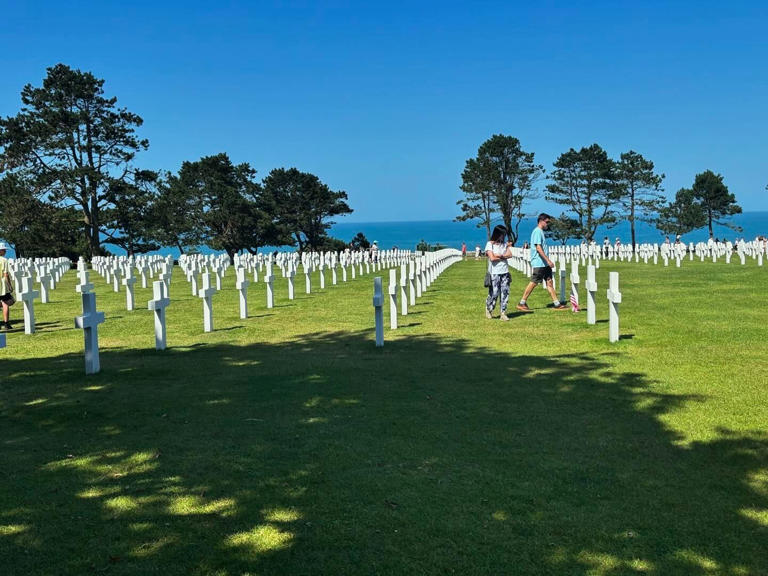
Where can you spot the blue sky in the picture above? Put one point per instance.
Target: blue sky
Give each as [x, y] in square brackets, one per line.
[388, 100]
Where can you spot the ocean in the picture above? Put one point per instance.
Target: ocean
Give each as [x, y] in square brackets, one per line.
[452, 234]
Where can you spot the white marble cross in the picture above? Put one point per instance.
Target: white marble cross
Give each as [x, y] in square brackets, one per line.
[268, 280]
[333, 274]
[591, 286]
[562, 276]
[85, 286]
[322, 276]
[412, 282]
[392, 298]
[614, 299]
[89, 324]
[308, 278]
[242, 286]
[219, 274]
[403, 290]
[28, 296]
[116, 273]
[418, 278]
[128, 282]
[290, 274]
[206, 293]
[378, 302]
[575, 280]
[45, 284]
[165, 275]
[193, 281]
[158, 304]
[143, 274]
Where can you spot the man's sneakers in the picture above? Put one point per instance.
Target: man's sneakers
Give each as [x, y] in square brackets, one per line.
[5, 326]
[504, 317]
[488, 313]
[525, 308]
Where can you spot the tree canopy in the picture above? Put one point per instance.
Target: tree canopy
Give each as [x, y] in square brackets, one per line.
[585, 182]
[681, 215]
[304, 205]
[73, 145]
[639, 189]
[501, 179]
[715, 200]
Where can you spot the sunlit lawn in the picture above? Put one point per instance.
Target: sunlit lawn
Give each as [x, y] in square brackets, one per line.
[288, 444]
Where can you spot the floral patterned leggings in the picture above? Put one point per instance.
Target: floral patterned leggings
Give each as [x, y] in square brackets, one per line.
[499, 288]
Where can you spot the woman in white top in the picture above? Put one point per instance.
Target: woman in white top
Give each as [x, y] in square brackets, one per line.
[498, 251]
[5, 288]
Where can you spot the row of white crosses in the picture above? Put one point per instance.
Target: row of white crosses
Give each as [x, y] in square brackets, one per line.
[289, 263]
[757, 250]
[415, 277]
[25, 273]
[113, 269]
[520, 261]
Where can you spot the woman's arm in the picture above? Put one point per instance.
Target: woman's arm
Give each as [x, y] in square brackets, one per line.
[492, 257]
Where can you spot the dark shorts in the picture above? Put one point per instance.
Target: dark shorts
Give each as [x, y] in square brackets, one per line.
[541, 274]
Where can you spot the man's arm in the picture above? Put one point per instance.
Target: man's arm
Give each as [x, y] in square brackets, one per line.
[540, 250]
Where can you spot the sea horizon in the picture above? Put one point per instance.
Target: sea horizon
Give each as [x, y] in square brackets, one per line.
[406, 234]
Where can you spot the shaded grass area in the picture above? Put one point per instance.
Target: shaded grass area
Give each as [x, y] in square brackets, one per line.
[287, 444]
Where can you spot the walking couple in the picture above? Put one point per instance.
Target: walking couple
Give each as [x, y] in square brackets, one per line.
[499, 251]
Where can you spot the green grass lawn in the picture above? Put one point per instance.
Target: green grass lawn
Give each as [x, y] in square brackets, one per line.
[288, 444]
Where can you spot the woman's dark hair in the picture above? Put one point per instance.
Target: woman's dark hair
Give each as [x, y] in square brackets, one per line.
[498, 233]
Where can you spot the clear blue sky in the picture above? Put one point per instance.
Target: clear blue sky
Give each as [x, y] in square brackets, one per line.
[388, 100]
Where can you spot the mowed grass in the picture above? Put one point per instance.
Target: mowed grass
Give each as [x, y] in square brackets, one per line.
[288, 444]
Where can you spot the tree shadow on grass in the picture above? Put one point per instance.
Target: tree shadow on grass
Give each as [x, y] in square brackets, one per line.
[324, 455]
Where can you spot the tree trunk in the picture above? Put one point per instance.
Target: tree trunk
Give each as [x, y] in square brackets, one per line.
[93, 239]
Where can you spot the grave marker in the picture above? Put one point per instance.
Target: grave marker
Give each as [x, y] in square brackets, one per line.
[85, 286]
[591, 286]
[128, 282]
[89, 324]
[242, 287]
[291, 274]
[158, 304]
[116, 279]
[575, 281]
[614, 298]
[206, 293]
[412, 282]
[28, 296]
[403, 290]
[378, 302]
[45, 284]
[268, 280]
[393, 299]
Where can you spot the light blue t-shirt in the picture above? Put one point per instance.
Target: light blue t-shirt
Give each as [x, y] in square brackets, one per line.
[537, 237]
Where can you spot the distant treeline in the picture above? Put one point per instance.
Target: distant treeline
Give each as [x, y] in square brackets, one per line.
[70, 184]
[593, 189]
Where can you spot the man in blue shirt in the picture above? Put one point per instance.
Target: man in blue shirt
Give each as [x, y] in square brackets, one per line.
[542, 266]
